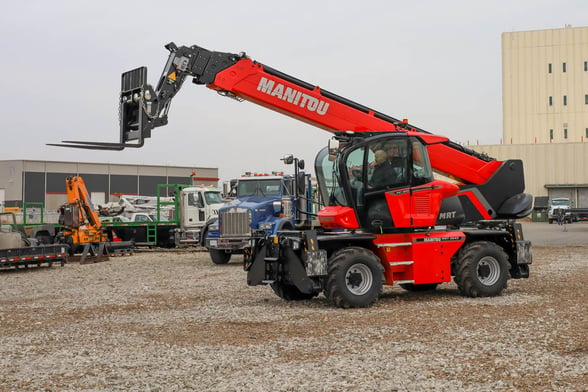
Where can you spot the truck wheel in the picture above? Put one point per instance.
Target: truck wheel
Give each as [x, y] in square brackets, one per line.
[419, 287]
[481, 270]
[290, 292]
[355, 278]
[219, 256]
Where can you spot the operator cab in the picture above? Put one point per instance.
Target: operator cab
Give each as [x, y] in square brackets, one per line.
[385, 179]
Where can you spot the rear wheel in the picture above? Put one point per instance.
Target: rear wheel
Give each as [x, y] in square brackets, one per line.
[290, 292]
[355, 278]
[481, 270]
[219, 256]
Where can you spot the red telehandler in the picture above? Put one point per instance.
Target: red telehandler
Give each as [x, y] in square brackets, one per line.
[387, 218]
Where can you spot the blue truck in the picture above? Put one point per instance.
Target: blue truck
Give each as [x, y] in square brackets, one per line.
[262, 205]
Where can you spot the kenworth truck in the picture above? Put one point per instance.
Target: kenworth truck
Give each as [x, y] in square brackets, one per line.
[264, 204]
[437, 210]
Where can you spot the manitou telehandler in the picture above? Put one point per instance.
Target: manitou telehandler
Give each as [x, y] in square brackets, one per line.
[387, 219]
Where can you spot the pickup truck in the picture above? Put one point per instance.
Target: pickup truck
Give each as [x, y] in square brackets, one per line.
[570, 214]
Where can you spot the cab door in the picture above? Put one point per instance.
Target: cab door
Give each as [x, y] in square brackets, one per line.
[193, 212]
[418, 204]
[379, 182]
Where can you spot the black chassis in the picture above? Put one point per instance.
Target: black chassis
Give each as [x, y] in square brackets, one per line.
[300, 258]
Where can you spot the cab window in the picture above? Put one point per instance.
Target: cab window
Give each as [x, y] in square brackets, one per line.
[421, 167]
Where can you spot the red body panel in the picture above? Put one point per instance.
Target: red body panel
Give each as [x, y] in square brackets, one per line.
[418, 258]
[338, 217]
[418, 206]
[476, 202]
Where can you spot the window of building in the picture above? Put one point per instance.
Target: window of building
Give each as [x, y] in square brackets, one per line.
[549, 67]
[565, 100]
[550, 100]
[586, 99]
[565, 133]
[563, 67]
[551, 134]
[585, 65]
[586, 133]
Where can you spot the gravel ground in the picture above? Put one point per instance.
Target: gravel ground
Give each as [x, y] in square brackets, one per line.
[158, 321]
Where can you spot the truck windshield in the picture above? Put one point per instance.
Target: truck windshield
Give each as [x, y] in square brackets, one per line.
[213, 198]
[560, 202]
[267, 187]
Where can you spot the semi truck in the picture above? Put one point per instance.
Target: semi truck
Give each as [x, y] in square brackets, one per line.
[171, 223]
[439, 210]
[264, 203]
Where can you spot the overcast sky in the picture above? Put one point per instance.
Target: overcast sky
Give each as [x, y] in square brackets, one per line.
[437, 63]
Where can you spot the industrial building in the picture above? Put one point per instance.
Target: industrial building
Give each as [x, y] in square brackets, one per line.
[545, 110]
[43, 182]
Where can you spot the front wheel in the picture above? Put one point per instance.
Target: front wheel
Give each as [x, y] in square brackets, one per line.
[219, 256]
[355, 278]
[481, 270]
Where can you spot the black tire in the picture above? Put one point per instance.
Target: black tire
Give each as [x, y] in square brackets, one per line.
[481, 270]
[289, 292]
[219, 256]
[203, 237]
[43, 237]
[286, 226]
[355, 278]
[419, 287]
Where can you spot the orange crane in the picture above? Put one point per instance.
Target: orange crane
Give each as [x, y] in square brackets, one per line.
[81, 228]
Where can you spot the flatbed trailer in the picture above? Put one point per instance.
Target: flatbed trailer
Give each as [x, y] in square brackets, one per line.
[34, 255]
[579, 214]
[159, 234]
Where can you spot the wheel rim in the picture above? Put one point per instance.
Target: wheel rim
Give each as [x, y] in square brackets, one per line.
[359, 279]
[488, 271]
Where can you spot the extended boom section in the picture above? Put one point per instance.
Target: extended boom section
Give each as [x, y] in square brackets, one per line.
[143, 108]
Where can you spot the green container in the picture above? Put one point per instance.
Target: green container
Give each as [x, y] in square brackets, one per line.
[539, 216]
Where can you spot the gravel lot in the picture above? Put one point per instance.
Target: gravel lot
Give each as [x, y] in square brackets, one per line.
[173, 321]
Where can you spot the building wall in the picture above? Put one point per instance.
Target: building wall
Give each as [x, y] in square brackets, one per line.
[535, 85]
[44, 181]
[551, 169]
[545, 110]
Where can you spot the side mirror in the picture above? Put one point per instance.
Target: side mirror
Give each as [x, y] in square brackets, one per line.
[288, 159]
[301, 164]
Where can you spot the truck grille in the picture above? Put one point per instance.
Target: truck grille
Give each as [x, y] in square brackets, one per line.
[235, 222]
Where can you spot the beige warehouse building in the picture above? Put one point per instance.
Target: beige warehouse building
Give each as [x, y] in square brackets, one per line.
[545, 110]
